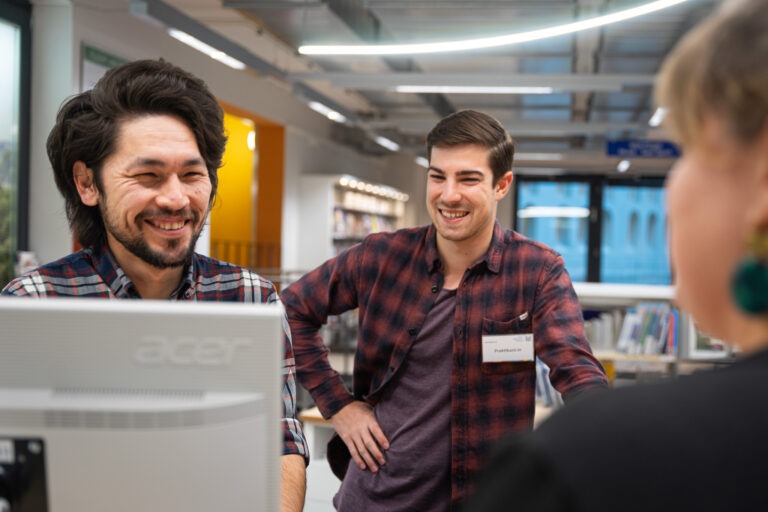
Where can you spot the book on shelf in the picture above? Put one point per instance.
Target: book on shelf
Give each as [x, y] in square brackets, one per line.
[647, 328]
[601, 330]
[697, 344]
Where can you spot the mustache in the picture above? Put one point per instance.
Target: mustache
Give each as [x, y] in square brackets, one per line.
[184, 214]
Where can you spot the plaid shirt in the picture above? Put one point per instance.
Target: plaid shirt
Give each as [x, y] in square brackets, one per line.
[520, 286]
[94, 272]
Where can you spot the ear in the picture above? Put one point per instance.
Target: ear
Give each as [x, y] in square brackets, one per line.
[83, 177]
[503, 185]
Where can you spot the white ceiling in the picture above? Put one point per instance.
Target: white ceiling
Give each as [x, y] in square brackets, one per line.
[575, 122]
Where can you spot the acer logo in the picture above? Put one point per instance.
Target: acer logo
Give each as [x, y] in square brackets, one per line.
[188, 350]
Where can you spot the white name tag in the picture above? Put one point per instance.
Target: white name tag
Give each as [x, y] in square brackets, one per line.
[507, 347]
[6, 452]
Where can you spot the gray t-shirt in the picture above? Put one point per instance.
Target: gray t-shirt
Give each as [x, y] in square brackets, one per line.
[414, 413]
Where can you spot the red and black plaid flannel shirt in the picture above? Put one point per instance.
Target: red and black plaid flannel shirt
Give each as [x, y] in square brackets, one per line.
[520, 286]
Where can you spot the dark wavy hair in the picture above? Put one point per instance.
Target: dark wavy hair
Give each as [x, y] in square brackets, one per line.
[88, 124]
[473, 127]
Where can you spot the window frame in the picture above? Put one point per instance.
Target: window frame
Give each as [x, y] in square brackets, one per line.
[597, 185]
[19, 13]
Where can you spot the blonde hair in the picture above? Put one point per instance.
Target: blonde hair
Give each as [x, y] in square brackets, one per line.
[719, 70]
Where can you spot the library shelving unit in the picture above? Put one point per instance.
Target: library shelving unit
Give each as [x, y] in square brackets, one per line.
[338, 211]
[610, 295]
[614, 300]
[609, 304]
[618, 305]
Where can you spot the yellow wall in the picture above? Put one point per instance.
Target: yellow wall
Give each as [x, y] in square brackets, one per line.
[232, 215]
[246, 221]
[269, 208]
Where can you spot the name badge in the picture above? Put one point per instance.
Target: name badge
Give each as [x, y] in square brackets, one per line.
[507, 348]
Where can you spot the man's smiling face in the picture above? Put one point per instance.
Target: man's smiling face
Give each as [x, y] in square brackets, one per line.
[461, 195]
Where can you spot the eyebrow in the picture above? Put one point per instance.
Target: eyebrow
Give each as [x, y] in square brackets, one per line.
[154, 162]
[463, 172]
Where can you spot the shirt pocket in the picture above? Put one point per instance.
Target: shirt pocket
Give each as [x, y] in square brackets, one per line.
[518, 325]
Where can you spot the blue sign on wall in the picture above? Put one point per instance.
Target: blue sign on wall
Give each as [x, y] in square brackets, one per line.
[641, 148]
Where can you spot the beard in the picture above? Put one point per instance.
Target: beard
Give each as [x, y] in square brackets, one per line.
[169, 257]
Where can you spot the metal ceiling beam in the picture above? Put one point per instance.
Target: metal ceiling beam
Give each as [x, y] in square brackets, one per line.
[369, 28]
[519, 127]
[586, 47]
[466, 4]
[162, 15]
[565, 82]
[395, 4]
[165, 16]
[275, 4]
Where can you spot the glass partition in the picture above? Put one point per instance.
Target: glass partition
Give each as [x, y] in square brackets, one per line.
[608, 230]
[634, 247]
[557, 214]
[10, 103]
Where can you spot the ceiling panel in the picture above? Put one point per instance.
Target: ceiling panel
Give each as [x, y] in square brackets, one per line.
[579, 120]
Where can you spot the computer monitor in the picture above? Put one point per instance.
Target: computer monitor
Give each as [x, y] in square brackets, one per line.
[138, 405]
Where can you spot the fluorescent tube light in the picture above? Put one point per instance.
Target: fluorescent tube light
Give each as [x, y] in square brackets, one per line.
[205, 48]
[327, 112]
[657, 117]
[538, 156]
[386, 143]
[623, 166]
[490, 42]
[553, 211]
[420, 160]
[472, 89]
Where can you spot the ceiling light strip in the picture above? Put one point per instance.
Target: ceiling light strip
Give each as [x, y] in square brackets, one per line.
[472, 89]
[490, 42]
[206, 49]
[327, 112]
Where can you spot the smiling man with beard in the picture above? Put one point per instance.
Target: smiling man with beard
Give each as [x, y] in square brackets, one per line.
[136, 159]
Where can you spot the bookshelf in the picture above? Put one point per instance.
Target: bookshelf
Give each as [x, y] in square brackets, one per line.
[627, 322]
[338, 211]
[611, 295]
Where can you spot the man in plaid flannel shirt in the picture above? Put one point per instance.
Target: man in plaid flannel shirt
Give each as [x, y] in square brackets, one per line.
[451, 316]
[136, 159]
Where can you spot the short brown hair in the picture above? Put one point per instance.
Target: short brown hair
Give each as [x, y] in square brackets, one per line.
[88, 124]
[719, 69]
[473, 127]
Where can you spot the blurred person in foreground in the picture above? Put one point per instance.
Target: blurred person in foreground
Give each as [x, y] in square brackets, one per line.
[136, 159]
[698, 442]
[450, 318]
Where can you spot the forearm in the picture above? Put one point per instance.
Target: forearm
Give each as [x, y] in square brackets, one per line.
[293, 483]
[324, 292]
[559, 336]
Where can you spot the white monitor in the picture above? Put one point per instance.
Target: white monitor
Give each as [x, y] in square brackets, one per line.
[137, 405]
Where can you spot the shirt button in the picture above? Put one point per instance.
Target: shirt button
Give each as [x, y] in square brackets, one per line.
[434, 288]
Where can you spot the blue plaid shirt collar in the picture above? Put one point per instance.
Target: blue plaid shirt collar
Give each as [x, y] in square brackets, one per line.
[121, 285]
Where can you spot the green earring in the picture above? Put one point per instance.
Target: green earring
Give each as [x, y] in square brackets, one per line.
[749, 286]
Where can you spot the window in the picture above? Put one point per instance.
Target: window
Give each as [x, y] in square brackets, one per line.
[624, 243]
[632, 229]
[607, 231]
[650, 233]
[643, 256]
[528, 225]
[562, 230]
[554, 214]
[14, 112]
